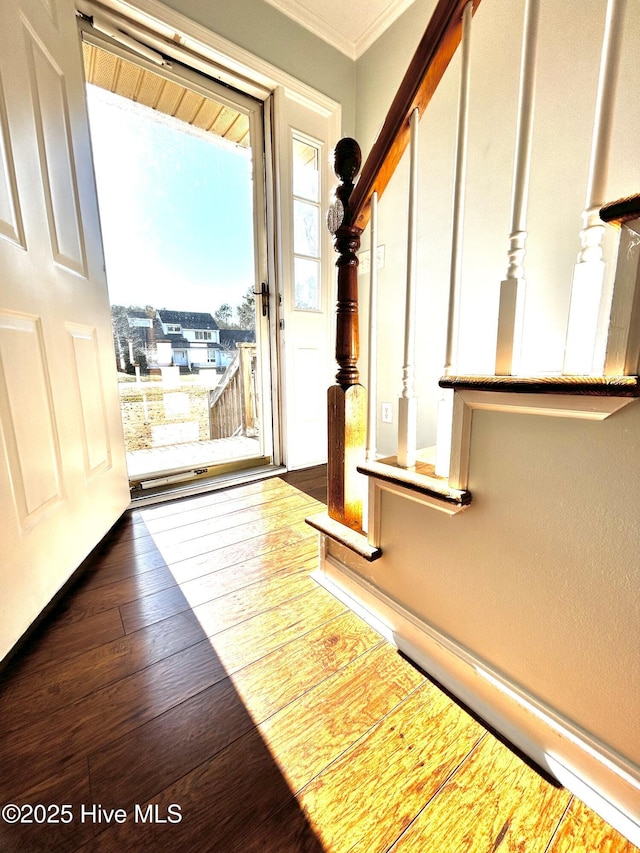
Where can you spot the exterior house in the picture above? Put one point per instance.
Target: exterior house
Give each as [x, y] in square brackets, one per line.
[527, 603]
[194, 338]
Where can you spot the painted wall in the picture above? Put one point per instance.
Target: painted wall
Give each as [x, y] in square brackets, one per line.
[264, 31]
[539, 577]
[570, 41]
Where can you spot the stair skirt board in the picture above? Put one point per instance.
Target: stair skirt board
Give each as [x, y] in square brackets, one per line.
[588, 768]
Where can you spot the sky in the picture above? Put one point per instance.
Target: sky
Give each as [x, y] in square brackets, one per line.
[175, 208]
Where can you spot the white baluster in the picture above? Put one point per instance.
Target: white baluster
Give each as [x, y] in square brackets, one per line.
[512, 289]
[373, 332]
[445, 404]
[408, 403]
[622, 357]
[588, 276]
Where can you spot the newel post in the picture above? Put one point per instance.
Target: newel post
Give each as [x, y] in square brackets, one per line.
[347, 399]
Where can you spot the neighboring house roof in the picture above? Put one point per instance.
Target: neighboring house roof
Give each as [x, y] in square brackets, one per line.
[231, 337]
[180, 342]
[188, 319]
[158, 331]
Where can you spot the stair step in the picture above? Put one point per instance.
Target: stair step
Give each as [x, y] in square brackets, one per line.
[356, 542]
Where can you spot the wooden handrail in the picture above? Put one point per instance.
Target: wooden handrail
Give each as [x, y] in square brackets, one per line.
[621, 211]
[430, 61]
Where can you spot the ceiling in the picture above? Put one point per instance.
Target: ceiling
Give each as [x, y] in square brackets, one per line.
[351, 26]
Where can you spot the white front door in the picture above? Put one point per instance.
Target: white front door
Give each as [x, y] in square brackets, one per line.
[63, 480]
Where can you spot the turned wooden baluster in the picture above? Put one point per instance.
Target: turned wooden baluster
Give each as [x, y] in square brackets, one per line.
[347, 399]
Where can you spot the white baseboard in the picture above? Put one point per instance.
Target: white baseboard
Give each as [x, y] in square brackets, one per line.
[600, 777]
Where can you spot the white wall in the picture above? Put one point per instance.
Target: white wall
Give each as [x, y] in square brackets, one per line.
[570, 41]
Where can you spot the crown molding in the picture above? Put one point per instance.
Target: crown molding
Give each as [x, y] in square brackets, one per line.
[333, 35]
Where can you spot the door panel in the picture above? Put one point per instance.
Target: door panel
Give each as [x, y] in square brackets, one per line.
[63, 479]
[53, 127]
[308, 281]
[10, 215]
[26, 398]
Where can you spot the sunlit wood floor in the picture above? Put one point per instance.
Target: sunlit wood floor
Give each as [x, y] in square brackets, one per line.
[197, 667]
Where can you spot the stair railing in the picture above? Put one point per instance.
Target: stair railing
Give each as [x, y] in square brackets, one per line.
[348, 217]
[587, 351]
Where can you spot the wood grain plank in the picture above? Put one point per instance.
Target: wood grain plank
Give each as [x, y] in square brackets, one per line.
[88, 600]
[195, 530]
[184, 570]
[155, 755]
[243, 533]
[103, 716]
[132, 566]
[286, 831]
[283, 675]
[240, 785]
[25, 699]
[222, 612]
[247, 782]
[372, 792]
[582, 829]
[130, 525]
[119, 548]
[223, 512]
[59, 641]
[31, 696]
[251, 640]
[70, 787]
[164, 516]
[307, 735]
[234, 577]
[590, 386]
[319, 494]
[493, 802]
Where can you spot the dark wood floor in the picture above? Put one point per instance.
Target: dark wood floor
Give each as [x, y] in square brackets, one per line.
[198, 673]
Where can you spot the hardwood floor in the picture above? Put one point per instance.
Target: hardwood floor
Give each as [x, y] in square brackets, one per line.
[198, 679]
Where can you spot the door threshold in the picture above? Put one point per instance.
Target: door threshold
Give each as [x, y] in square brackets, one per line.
[185, 489]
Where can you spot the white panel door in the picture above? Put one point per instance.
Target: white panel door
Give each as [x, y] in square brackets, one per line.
[305, 140]
[63, 480]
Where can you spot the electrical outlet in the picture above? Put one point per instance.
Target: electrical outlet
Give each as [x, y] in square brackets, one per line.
[364, 260]
[386, 413]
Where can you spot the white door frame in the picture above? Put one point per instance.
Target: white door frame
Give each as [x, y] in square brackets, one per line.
[254, 109]
[174, 35]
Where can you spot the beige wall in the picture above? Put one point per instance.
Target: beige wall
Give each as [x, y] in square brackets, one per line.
[570, 40]
[540, 577]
